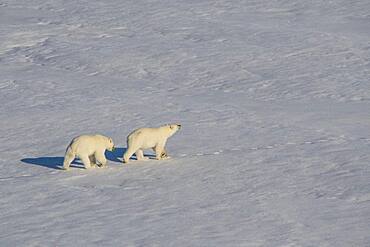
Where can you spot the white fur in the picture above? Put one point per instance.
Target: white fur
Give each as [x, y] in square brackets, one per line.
[145, 138]
[90, 149]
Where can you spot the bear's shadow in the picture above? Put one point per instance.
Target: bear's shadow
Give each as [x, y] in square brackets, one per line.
[57, 162]
[117, 153]
[50, 162]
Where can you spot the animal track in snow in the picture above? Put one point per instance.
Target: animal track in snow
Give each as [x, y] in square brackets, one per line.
[8, 85]
[276, 145]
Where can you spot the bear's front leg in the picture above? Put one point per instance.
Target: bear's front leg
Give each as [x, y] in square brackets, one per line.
[159, 151]
[140, 155]
[92, 160]
[86, 161]
[100, 157]
[164, 154]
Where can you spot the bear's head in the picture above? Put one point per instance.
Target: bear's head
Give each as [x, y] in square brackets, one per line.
[110, 144]
[173, 128]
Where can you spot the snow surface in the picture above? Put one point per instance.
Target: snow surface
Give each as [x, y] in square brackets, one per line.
[273, 96]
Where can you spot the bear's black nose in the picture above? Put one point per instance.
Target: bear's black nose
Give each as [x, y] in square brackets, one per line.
[179, 125]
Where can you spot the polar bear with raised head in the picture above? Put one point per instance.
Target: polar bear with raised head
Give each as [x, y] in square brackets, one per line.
[145, 138]
[90, 149]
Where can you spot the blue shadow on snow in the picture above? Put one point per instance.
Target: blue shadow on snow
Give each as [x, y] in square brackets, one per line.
[50, 162]
[57, 162]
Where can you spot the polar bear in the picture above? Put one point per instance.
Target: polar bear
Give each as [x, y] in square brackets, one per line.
[145, 138]
[90, 149]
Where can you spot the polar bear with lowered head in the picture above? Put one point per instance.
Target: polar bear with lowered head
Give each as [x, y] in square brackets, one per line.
[90, 149]
[145, 138]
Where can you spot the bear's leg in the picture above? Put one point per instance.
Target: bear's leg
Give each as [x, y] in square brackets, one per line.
[92, 160]
[140, 155]
[68, 158]
[100, 157]
[159, 149]
[129, 152]
[164, 154]
[86, 161]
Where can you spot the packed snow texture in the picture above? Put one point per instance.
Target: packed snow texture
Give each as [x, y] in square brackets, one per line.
[273, 97]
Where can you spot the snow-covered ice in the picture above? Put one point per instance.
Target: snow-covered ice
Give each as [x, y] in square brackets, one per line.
[273, 96]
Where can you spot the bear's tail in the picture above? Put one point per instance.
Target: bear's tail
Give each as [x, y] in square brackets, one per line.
[69, 147]
[69, 150]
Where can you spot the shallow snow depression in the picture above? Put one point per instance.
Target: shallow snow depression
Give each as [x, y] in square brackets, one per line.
[273, 97]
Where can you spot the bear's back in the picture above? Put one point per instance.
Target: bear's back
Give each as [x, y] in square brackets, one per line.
[84, 141]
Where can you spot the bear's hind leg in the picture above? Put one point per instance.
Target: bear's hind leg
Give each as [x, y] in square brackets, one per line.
[140, 155]
[100, 157]
[129, 152]
[68, 158]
